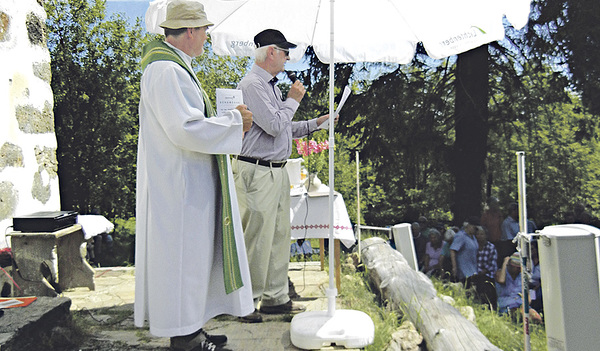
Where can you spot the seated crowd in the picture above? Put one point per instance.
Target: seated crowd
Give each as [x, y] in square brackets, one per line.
[481, 254]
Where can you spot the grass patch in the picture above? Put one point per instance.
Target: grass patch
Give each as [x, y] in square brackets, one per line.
[504, 331]
[356, 295]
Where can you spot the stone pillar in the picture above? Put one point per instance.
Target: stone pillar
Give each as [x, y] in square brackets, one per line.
[28, 166]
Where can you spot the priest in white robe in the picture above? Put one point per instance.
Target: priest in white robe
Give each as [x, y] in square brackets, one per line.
[188, 270]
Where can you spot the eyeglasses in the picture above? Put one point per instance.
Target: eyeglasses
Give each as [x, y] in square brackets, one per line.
[286, 51]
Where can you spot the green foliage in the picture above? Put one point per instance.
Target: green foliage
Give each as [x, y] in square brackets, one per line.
[403, 125]
[399, 123]
[560, 142]
[316, 103]
[123, 250]
[565, 33]
[346, 175]
[95, 70]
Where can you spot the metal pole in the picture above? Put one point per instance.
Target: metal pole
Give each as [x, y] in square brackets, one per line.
[358, 204]
[523, 247]
[332, 291]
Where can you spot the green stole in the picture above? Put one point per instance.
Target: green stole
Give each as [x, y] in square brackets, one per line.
[159, 51]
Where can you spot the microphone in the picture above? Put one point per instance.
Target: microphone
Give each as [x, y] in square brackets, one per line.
[291, 75]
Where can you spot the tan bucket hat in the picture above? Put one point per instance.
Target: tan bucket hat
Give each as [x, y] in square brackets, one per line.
[185, 14]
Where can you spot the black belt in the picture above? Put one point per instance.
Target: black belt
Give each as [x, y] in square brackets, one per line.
[261, 162]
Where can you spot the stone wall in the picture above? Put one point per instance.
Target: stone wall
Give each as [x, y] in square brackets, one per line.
[28, 166]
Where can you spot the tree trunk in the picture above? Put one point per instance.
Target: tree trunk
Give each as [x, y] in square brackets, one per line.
[409, 291]
[470, 146]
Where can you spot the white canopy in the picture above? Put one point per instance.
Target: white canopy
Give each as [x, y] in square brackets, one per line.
[365, 30]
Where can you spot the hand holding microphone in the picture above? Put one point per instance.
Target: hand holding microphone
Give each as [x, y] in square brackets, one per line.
[297, 90]
[291, 75]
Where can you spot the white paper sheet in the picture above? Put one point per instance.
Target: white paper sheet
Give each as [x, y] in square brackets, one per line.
[228, 99]
[343, 101]
[345, 95]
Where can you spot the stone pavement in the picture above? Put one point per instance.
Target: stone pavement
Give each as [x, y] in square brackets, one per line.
[109, 312]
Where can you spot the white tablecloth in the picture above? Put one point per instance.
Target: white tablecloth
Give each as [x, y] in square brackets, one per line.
[316, 223]
[94, 224]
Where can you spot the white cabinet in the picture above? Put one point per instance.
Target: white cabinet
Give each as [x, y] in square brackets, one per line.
[569, 269]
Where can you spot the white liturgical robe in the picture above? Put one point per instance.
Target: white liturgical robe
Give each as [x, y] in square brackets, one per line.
[179, 263]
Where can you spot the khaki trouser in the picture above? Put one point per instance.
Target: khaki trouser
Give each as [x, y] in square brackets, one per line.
[264, 199]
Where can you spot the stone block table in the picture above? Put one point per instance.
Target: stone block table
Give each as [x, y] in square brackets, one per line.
[59, 251]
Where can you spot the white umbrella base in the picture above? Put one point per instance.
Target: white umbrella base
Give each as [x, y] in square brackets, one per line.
[316, 329]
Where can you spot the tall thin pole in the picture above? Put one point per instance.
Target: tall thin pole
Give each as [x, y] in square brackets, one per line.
[358, 204]
[332, 291]
[523, 246]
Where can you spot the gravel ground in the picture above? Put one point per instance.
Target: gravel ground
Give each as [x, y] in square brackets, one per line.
[112, 329]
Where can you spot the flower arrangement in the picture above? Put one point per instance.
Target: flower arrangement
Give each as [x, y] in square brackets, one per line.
[311, 152]
[311, 147]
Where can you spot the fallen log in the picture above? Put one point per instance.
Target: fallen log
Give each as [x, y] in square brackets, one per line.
[411, 292]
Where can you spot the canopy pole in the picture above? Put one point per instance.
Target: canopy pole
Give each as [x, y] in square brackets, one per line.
[349, 328]
[523, 247]
[332, 291]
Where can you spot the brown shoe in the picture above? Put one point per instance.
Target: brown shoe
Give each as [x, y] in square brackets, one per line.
[254, 317]
[289, 307]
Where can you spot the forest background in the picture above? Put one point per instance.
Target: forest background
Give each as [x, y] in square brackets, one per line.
[435, 137]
